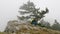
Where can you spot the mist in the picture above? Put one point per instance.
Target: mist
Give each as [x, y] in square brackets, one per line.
[9, 10]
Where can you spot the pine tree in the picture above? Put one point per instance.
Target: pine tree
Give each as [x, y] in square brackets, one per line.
[33, 12]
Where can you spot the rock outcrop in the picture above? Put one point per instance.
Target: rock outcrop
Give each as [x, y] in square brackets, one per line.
[27, 28]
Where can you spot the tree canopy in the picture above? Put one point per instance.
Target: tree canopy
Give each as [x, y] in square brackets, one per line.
[33, 12]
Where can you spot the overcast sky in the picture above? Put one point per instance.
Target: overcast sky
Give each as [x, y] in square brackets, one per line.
[9, 10]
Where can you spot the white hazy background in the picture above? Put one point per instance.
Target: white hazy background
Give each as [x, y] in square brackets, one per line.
[9, 10]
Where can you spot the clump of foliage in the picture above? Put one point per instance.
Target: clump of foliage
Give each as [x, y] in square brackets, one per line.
[56, 25]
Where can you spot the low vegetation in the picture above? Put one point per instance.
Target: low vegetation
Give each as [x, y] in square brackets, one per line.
[31, 29]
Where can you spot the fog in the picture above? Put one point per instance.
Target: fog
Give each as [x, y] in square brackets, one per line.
[9, 10]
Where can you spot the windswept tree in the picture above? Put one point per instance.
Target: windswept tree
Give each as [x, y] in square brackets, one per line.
[33, 12]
